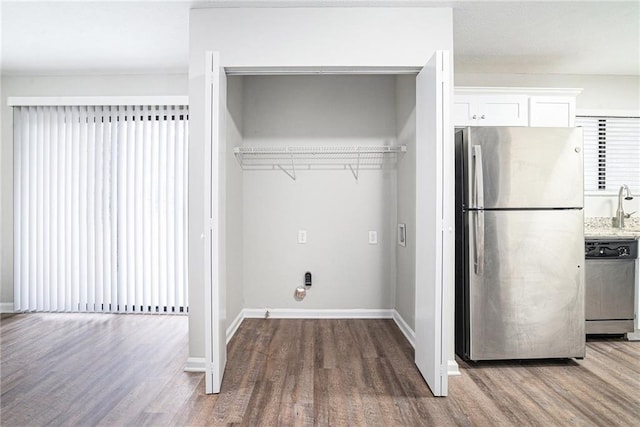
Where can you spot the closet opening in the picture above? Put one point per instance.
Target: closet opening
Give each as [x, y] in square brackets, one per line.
[331, 157]
[319, 173]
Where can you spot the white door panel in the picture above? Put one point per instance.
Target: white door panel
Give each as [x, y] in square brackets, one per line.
[434, 204]
[215, 300]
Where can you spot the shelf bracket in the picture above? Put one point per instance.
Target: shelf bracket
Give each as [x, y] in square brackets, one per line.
[293, 169]
[237, 155]
[357, 171]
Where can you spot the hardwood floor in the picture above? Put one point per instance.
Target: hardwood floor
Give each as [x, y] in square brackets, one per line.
[97, 369]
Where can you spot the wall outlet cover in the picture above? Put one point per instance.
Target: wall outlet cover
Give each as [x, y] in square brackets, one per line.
[373, 237]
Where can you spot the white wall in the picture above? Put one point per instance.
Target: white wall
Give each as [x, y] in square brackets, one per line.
[321, 37]
[59, 85]
[406, 256]
[600, 94]
[336, 210]
[607, 205]
[234, 197]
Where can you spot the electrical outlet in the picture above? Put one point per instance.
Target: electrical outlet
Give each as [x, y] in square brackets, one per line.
[302, 236]
[373, 237]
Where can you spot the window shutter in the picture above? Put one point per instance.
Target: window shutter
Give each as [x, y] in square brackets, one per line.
[611, 153]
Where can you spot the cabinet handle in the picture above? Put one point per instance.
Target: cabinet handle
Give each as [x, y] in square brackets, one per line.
[474, 117]
[482, 116]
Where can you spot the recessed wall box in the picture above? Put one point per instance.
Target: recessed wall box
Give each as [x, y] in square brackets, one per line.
[307, 279]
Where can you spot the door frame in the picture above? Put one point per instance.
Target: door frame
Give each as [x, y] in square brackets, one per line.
[214, 196]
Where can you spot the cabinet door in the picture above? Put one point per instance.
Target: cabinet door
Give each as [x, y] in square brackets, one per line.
[490, 110]
[502, 110]
[552, 111]
[465, 110]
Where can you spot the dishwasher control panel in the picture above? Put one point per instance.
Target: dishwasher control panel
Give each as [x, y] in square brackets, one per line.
[616, 249]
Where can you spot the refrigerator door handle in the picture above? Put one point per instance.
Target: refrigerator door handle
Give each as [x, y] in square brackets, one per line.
[478, 178]
[478, 242]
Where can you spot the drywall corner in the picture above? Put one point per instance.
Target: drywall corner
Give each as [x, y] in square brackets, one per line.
[406, 181]
[234, 202]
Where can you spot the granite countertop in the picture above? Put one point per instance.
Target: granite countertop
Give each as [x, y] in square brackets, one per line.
[601, 227]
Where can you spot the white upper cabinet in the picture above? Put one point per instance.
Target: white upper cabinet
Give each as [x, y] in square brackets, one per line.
[490, 110]
[495, 106]
[552, 111]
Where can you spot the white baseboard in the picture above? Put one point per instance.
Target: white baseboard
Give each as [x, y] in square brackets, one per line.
[452, 366]
[195, 364]
[453, 370]
[408, 333]
[6, 307]
[293, 313]
[233, 327]
[634, 336]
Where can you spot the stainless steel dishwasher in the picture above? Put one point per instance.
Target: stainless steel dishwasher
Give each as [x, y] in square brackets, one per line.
[610, 274]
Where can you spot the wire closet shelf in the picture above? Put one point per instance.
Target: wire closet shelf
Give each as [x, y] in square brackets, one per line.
[290, 159]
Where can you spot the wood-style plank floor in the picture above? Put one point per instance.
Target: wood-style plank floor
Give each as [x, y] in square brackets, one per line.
[114, 370]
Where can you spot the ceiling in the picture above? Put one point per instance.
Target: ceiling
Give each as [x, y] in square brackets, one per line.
[542, 37]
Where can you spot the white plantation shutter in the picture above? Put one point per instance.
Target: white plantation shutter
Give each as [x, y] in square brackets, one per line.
[100, 199]
[611, 153]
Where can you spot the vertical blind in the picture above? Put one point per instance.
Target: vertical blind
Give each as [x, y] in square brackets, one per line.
[611, 153]
[100, 199]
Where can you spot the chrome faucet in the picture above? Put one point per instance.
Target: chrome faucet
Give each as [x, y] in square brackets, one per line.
[618, 220]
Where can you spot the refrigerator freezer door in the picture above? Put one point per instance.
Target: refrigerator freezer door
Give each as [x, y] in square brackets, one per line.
[527, 299]
[516, 168]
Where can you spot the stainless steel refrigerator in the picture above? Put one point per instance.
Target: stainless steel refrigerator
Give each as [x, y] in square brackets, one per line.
[519, 243]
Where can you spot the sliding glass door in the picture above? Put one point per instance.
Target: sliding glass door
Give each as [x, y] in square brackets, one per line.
[100, 198]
